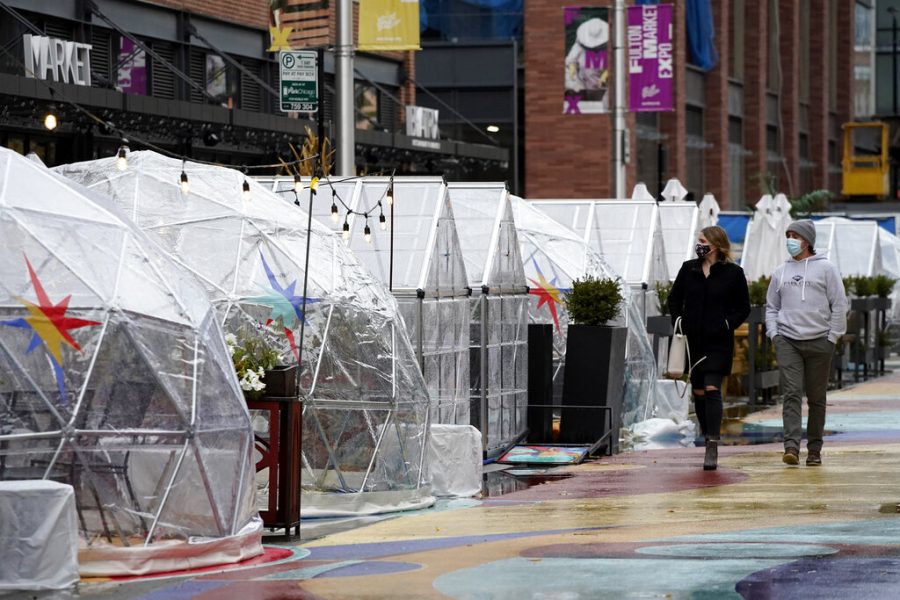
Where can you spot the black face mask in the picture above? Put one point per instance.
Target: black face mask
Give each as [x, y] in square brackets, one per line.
[702, 250]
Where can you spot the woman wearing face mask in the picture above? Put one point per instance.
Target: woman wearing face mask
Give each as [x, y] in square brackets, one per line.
[710, 295]
[806, 314]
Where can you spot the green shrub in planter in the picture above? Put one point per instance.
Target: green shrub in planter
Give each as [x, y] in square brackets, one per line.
[594, 301]
[864, 286]
[849, 285]
[662, 296]
[883, 285]
[758, 290]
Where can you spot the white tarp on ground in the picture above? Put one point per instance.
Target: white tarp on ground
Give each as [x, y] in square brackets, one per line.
[38, 536]
[366, 407]
[764, 247]
[455, 458]
[108, 351]
[553, 257]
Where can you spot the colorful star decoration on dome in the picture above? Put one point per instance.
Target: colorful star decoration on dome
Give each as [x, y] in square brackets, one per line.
[548, 293]
[285, 304]
[49, 326]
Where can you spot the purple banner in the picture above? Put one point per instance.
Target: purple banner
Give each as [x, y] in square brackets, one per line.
[650, 58]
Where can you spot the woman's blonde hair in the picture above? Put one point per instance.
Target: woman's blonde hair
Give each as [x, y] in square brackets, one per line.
[718, 239]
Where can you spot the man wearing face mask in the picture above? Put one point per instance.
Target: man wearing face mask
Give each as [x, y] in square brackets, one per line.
[806, 314]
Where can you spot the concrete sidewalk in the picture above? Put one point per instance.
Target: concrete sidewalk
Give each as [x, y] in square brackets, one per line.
[647, 524]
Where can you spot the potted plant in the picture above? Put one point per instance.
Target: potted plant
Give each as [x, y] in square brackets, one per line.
[257, 368]
[761, 374]
[595, 362]
[883, 286]
[661, 325]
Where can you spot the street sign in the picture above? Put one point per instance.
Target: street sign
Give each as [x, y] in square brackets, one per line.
[299, 85]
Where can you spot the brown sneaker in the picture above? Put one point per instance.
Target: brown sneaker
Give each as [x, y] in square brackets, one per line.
[814, 459]
[791, 456]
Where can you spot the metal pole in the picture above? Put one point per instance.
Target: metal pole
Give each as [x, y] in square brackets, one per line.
[343, 114]
[619, 131]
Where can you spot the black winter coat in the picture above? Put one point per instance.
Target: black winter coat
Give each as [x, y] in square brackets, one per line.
[711, 308]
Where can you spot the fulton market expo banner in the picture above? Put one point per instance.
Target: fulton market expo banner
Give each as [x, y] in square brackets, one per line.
[388, 25]
[587, 60]
[650, 69]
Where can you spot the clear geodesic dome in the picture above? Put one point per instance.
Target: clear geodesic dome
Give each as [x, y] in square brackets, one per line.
[366, 407]
[115, 379]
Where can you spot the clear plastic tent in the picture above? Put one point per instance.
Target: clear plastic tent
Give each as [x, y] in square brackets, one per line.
[764, 247]
[365, 411]
[680, 222]
[426, 271]
[627, 233]
[499, 312]
[860, 247]
[553, 257]
[115, 379]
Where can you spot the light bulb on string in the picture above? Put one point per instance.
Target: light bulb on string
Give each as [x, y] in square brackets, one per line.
[382, 222]
[334, 208]
[314, 184]
[122, 157]
[50, 121]
[185, 186]
[298, 185]
[367, 233]
[296, 198]
[246, 189]
[346, 231]
[389, 196]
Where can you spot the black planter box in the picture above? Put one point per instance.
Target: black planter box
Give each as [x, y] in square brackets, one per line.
[757, 314]
[862, 304]
[660, 325]
[281, 382]
[881, 303]
[594, 376]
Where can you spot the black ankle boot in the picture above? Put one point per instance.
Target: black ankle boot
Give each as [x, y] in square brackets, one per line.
[712, 455]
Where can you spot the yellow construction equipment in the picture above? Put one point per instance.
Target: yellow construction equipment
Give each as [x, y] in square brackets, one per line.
[866, 164]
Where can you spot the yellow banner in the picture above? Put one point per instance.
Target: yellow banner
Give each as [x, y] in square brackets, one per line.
[388, 25]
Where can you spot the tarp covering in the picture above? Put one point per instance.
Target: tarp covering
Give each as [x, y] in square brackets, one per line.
[709, 211]
[680, 223]
[115, 379]
[858, 243]
[499, 312]
[553, 257]
[365, 411]
[418, 254]
[764, 247]
[627, 233]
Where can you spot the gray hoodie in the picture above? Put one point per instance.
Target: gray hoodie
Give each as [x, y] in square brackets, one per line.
[806, 300]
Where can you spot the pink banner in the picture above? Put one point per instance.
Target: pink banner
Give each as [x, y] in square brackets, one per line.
[650, 58]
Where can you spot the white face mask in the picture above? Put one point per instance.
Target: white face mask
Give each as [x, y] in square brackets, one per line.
[794, 247]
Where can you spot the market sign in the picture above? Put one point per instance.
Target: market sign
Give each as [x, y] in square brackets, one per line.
[56, 59]
[299, 82]
[650, 58]
[422, 122]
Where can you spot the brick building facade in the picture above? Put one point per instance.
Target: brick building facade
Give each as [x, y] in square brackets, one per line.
[772, 107]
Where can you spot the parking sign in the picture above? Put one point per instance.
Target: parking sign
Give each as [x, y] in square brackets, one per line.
[299, 84]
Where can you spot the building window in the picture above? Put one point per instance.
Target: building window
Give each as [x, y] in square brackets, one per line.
[695, 151]
[131, 76]
[366, 102]
[832, 50]
[773, 83]
[736, 34]
[804, 50]
[736, 153]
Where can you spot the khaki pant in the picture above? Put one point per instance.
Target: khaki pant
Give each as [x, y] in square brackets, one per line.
[804, 366]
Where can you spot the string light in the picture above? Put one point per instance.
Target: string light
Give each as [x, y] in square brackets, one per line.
[367, 233]
[390, 192]
[122, 156]
[382, 222]
[314, 184]
[185, 186]
[334, 208]
[296, 198]
[346, 232]
[50, 121]
[298, 185]
[246, 188]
